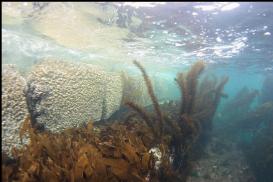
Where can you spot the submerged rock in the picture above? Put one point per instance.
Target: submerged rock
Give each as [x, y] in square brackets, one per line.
[65, 94]
[14, 107]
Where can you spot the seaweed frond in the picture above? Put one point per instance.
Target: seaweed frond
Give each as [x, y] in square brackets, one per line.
[192, 77]
[188, 87]
[181, 81]
[208, 98]
[116, 153]
[148, 82]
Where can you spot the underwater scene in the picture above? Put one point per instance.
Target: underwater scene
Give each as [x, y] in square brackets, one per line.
[137, 92]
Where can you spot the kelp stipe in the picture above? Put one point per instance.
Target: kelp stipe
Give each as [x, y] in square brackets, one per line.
[152, 96]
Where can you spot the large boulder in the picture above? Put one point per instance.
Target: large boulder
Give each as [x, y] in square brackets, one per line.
[65, 94]
[14, 107]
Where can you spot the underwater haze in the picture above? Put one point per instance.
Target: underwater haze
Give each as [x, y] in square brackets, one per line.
[188, 84]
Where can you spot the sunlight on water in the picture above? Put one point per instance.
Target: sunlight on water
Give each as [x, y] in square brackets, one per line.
[172, 34]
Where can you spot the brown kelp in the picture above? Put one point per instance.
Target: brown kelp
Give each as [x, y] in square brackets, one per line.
[184, 129]
[188, 86]
[210, 92]
[152, 95]
[197, 110]
[110, 153]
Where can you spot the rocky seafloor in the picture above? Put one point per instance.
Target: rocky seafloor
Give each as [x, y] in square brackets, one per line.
[222, 161]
